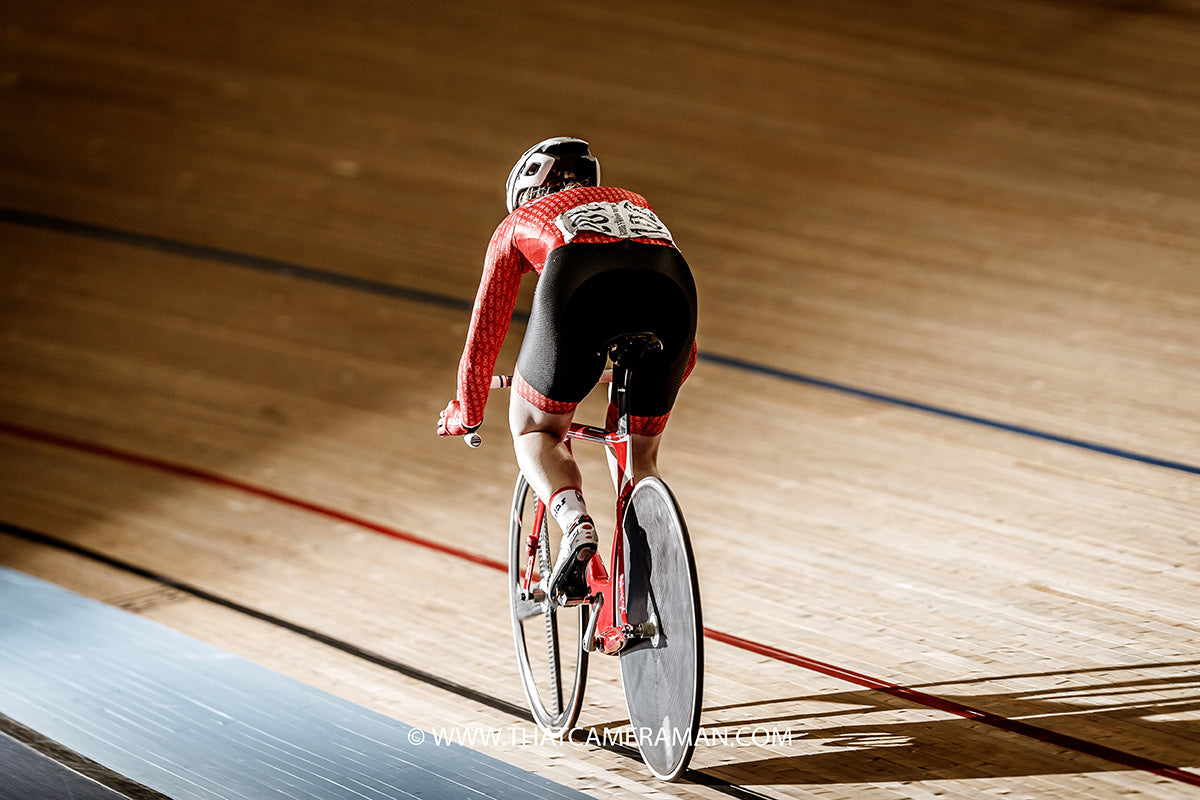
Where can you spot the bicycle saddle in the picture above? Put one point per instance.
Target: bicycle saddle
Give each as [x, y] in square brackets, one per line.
[628, 348]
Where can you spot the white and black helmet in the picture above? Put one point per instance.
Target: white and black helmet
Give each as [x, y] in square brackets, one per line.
[551, 166]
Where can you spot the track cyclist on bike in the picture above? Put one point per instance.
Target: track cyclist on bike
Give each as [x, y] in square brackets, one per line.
[607, 266]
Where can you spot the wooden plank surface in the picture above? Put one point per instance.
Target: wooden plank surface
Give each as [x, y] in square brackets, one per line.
[990, 209]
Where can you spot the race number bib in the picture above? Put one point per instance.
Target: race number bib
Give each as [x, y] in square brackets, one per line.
[621, 220]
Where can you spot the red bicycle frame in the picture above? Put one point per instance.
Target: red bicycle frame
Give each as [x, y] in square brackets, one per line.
[606, 593]
[603, 592]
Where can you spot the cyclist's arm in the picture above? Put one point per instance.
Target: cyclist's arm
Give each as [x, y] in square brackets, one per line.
[494, 304]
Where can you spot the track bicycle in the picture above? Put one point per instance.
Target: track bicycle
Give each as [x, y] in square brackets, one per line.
[642, 606]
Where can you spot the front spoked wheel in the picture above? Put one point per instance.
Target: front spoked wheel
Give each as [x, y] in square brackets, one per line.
[549, 640]
[663, 673]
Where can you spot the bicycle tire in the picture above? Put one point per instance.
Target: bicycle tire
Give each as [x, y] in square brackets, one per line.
[543, 636]
[662, 676]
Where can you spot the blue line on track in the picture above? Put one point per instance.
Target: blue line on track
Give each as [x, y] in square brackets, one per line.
[865, 394]
[341, 280]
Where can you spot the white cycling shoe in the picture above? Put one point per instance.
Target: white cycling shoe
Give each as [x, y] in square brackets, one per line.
[575, 551]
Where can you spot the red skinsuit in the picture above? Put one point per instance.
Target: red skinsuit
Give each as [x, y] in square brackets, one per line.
[521, 244]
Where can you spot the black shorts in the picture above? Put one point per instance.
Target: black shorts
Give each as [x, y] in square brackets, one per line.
[590, 293]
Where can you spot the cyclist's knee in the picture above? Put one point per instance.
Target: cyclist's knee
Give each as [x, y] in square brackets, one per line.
[524, 417]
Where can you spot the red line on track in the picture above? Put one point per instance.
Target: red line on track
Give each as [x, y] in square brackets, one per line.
[912, 695]
[960, 710]
[35, 435]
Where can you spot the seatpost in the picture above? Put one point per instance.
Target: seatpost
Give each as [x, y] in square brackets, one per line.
[621, 389]
[625, 350]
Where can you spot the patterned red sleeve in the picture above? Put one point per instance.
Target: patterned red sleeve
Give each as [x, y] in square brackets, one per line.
[497, 297]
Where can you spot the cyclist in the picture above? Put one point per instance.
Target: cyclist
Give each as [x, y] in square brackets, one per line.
[607, 266]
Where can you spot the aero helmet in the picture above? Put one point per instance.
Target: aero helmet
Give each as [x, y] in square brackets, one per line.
[551, 166]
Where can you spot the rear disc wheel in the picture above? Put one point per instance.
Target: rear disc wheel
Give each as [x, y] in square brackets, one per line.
[663, 673]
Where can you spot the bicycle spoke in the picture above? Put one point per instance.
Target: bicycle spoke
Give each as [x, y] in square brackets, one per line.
[554, 670]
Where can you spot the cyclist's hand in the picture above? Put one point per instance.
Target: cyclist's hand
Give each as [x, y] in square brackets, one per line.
[451, 422]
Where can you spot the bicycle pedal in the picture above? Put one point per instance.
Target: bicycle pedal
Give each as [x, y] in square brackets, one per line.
[644, 630]
[566, 599]
[536, 595]
[570, 590]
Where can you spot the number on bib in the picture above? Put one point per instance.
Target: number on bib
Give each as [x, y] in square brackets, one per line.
[621, 220]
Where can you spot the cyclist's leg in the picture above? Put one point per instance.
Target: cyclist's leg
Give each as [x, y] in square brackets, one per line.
[645, 455]
[540, 447]
[557, 367]
[548, 466]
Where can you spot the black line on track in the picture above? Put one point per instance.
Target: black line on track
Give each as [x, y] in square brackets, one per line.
[288, 269]
[693, 776]
[230, 257]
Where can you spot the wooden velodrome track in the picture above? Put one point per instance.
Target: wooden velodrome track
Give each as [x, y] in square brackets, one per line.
[940, 458]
